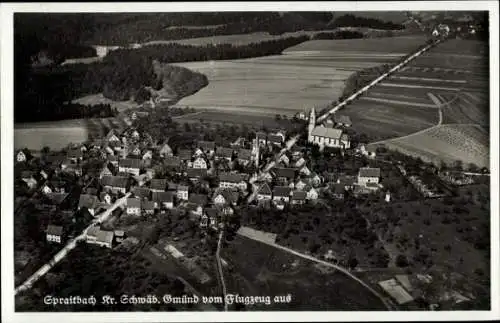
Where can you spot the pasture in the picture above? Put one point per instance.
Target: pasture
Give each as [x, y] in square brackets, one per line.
[262, 269]
[56, 135]
[448, 143]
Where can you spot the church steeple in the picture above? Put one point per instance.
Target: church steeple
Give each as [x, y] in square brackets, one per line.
[312, 122]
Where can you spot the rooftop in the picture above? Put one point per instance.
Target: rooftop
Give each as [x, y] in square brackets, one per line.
[369, 172]
[162, 197]
[327, 132]
[282, 191]
[133, 202]
[56, 230]
[88, 201]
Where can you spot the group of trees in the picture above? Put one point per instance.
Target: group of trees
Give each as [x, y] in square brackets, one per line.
[350, 20]
[342, 34]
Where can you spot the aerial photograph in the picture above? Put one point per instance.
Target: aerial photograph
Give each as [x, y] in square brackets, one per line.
[251, 161]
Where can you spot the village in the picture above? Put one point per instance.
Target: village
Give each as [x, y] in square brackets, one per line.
[211, 184]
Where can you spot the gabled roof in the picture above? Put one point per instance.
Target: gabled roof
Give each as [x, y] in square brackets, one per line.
[299, 195]
[141, 192]
[196, 172]
[327, 132]
[105, 236]
[264, 189]
[206, 145]
[55, 230]
[166, 149]
[110, 134]
[148, 205]
[229, 195]
[114, 181]
[161, 197]
[342, 119]
[369, 172]
[289, 173]
[224, 152]
[185, 154]
[232, 177]
[130, 163]
[133, 202]
[158, 184]
[281, 191]
[245, 154]
[88, 201]
[198, 199]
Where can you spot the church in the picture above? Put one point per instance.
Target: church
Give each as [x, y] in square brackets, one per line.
[326, 136]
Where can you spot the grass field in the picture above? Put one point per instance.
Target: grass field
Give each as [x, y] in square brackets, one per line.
[468, 108]
[94, 99]
[268, 271]
[448, 143]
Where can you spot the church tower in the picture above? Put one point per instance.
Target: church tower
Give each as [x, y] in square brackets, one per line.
[256, 152]
[312, 124]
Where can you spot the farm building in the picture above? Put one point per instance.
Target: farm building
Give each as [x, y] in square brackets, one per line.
[396, 291]
[368, 175]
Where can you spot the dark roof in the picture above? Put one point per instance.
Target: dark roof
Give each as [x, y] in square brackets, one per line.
[285, 172]
[56, 230]
[369, 172]
[174, 161]
[281, 191]
[206, 145]
[196, 172]
[105, 236]
[88, 201]
[232, 177]
[264, 189]
[114, 181]
[299, 195]
[141, 192]
[148, 205]
[245, 154]
[342, 119]
[133, 202]
[224, 152]
[198, 199]
[130, 163]
[347, 180]
[338, 188]
[171, 186]
[183, 188]
[158, 184]
[162, 197]
[229, 195]
[185, 154]
[275, 138]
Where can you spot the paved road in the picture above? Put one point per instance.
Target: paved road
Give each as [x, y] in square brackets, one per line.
[69, 246]
[328, 264]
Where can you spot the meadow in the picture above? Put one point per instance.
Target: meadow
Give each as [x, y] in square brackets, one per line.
[55, 134]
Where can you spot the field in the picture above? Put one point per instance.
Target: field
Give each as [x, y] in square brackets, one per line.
[259, 269]
[295, 81]
[448, 143]
[220, 117]
[94, 99]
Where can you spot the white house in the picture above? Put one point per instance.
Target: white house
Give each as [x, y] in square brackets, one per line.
[200, 163]
[54, 233]
[300, 185]
[129, 165]
[166, 151]
[281, 193]
[163, 199]
[182, 192]
[312, 194]
[264, 192]
[133, 206]
[368, 175]
[46, 189]
[233, 180]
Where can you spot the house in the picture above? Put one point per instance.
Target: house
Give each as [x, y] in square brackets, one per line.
[133, 206]
[158, 185]
[224, 153]
[233, 180]
[183, 192]
[200, 163]
[29, 179]
[166, 151]
[105, 198]
[163, 199]
[281, 134]
[106, 171]
[141, 179]
[261, 138]
[21, 157]
[135, 134]
[338, 191]
[134, 150]
[240, 142]
[244, 156]
[284, 159]
[368, 175]
[264, 193]
[300, 184]
[54, 233]
[342, 120]
[284, 175]
[304, 170]
[314, 179]
[172, 162]
[275, 140]
[142, 193]
[298, 197]
[396, 291]
[348, 182]
[148, 207]
[208, 147]
[185, 155]
[112, 137]
[148, 155]
[75, 155]
[115, 184]
[195, 174]
[47, 188]
[196, 203]
[226, 196]
[113, 160]
[89, 202]
[312, 193]
[281, 193]
[326, 137]
[130, 166]
[300, 162]
[104, 238]
[75, 169]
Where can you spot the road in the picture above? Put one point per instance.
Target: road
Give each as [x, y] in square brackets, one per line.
[325, 263]
[219, 268]
[69, 246]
